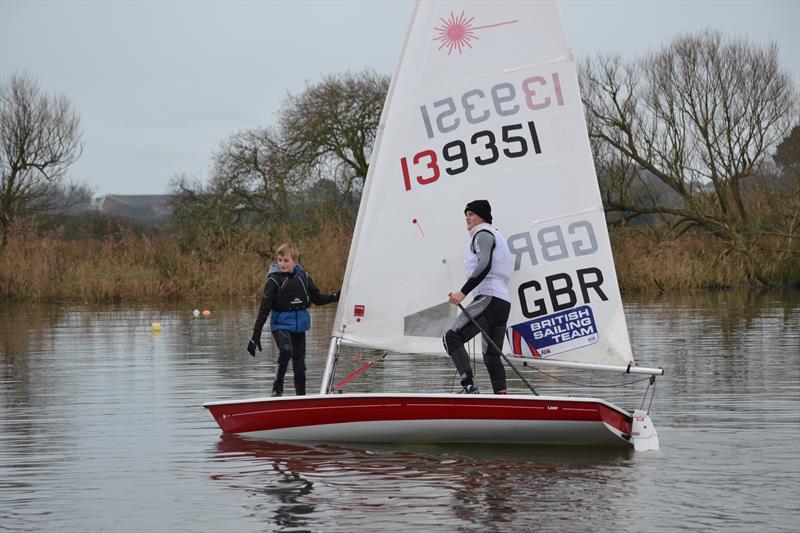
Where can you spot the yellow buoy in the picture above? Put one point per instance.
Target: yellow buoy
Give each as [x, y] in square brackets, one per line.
[155, 326]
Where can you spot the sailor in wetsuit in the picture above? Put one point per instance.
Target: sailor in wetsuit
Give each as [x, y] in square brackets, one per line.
[487, 262]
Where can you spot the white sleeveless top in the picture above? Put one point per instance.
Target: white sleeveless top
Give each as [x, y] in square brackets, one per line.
[496, 281]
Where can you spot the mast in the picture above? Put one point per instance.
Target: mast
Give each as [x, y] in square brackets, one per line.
[330, 365]
[336, 338]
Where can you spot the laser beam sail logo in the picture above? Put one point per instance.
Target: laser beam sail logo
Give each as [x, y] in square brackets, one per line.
[456, 33]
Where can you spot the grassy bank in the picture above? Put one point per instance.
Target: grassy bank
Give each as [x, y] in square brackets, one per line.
[135, 267]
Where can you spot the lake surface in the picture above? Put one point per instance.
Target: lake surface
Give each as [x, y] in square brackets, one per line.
[102, 429]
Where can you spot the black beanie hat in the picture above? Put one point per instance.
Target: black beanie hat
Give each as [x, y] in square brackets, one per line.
[480, 208]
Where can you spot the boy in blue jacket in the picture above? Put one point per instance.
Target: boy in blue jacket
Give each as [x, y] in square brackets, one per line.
[288, 294]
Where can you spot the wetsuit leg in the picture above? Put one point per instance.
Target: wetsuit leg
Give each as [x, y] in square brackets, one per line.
[493, 360]
[462, 331]
[283, 339]
[497, 316]
[454, 341]
[299, 362]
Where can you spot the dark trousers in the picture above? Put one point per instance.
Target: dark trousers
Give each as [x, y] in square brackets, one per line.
[291, 346]
[492, 315]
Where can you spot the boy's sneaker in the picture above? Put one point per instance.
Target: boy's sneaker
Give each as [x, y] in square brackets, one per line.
[469, 389]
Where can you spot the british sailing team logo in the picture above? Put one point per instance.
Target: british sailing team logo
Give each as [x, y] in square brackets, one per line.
[456, 33]
[555, 333]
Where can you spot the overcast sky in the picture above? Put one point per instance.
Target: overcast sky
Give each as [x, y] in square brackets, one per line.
[158, 85]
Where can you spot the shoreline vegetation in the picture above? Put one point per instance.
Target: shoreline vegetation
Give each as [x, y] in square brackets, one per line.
[697, 160]
[129, 265]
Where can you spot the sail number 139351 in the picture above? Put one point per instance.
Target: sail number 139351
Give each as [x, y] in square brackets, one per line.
[446, 116]
[484, 149]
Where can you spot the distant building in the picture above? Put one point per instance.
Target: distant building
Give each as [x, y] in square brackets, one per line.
[140, 207]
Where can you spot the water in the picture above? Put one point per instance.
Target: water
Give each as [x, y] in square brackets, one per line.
[101, 429]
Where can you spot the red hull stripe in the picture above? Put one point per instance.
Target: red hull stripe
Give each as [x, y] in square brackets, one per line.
[276, 413]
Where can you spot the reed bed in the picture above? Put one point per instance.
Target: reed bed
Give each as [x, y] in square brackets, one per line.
[656, 263]
[140, 268]
[135, 267]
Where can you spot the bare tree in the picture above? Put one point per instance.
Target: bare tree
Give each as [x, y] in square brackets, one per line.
[787, 156]
[39, 139]
[200, 215]
[783, 205]
[329, 129]
[316, 155]
[700, 115]
[251, 182]
[254, 167]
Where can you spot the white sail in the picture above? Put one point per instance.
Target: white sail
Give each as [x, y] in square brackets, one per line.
[484, 104]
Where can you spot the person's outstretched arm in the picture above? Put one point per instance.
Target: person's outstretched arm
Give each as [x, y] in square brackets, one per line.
[318, 298]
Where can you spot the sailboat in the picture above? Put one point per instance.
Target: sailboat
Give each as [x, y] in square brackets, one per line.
[484, 103]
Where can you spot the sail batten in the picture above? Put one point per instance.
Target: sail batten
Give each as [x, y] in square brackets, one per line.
[484, 106]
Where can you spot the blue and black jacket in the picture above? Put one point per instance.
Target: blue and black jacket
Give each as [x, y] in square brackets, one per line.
[288, 295]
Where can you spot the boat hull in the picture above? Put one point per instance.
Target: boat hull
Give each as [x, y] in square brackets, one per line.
[427, 418]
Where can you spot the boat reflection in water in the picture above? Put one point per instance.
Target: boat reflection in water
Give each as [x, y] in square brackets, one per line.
[297, 486]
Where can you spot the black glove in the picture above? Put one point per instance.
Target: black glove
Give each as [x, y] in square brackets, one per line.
[255, 342]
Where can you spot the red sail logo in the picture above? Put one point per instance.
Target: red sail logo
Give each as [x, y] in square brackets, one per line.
[456, 33]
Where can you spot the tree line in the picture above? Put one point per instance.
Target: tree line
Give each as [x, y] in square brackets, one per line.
[313, 160]
[701, 116]
[700, 137]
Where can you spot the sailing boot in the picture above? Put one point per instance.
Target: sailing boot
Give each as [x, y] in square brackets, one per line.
[300, 387]
[468, 386]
